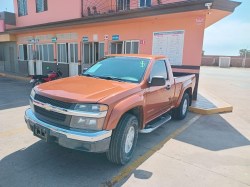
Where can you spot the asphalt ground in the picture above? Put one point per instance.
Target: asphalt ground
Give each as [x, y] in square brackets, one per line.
[198, 151]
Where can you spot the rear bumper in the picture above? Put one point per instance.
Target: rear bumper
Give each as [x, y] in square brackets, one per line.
[81, 140]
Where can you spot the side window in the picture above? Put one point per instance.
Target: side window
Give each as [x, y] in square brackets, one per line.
[22, 7]
[159, 69]
[41, 5]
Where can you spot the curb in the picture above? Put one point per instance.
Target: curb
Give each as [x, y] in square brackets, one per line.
[211, 111]
[221, 106]
[14, 77]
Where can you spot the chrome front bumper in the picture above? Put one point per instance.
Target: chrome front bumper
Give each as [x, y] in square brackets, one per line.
[85, 136]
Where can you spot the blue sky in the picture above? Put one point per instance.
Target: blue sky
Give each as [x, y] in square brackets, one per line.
[225, 37]
[230, 34]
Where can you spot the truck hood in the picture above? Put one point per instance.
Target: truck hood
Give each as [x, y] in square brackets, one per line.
[82, 89]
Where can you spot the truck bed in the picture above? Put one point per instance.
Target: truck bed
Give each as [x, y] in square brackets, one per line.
[181, 81]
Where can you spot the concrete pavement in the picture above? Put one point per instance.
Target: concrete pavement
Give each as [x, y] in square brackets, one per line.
[199, 151]
[215, 150]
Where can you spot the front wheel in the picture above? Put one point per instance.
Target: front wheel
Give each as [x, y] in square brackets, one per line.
[123, 140]
[181, 112]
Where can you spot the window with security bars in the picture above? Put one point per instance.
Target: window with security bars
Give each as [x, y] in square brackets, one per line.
[45, 52]
[41, 5]
[22, 7]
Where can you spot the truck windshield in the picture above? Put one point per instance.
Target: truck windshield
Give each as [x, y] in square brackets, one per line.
[127, 69]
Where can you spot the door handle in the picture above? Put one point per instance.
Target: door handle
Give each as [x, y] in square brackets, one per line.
[168, 87]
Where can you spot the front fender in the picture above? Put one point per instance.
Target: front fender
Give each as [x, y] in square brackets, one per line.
[121, 108]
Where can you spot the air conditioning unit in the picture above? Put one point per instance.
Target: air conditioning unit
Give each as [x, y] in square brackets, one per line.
[224, 62]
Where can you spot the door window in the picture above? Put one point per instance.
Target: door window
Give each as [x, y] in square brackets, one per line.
[62, 54]
[92, 52]
[132, 47]
[73, 52]
[116, 48]
[22, 48]
[30, 52]
[101, 50]
[159, 69]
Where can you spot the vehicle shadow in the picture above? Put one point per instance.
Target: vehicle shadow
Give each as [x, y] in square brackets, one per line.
[211, 132]
[43, 164]
[13, 93]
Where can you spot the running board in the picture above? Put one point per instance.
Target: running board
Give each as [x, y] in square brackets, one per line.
[151, 126]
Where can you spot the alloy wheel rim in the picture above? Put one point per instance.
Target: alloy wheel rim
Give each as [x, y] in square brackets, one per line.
[129, 139]
[185, 106]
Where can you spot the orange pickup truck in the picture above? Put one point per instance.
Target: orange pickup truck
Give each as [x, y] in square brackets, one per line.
[104, 109]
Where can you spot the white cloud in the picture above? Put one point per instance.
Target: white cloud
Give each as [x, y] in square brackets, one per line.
[226, 38]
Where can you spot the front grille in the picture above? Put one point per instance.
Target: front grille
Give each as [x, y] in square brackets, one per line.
[50, 114]
[53, 102]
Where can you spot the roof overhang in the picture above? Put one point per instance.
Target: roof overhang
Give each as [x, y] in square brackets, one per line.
[219, 10]
[226, 6]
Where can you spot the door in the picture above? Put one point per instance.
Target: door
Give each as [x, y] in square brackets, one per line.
[158, 98]
[116, 47]
[92, 52]
[86, 54]
[73, 59]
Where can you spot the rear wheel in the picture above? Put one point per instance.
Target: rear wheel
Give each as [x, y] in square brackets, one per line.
[181, 112]
[123, 140]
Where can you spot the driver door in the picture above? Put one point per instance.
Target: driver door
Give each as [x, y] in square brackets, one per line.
[158, 98]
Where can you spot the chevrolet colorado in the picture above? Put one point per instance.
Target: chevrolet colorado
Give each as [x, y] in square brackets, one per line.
[105, 108]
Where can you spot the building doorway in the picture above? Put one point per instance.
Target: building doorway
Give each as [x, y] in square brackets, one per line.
[91, 53]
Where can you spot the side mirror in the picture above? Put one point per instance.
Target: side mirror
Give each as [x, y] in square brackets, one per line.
[158, 81]
[84, 69]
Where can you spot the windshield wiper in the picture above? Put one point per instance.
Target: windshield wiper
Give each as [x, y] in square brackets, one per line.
[89, 75]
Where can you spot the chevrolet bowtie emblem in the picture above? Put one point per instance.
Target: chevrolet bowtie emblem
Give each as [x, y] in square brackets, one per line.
[47, 107]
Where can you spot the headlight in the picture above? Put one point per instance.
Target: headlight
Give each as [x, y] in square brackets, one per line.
[89, 123]
[33, 93]
[93, 108]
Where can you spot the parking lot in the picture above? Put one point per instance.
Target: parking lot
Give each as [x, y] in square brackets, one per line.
[198, 151]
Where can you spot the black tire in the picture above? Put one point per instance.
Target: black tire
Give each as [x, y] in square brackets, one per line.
[116, 152]
[36, 83]
[179, 113]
